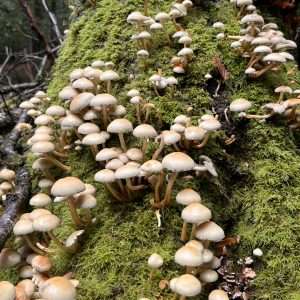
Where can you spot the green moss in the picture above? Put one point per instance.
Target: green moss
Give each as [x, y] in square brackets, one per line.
[258, 185]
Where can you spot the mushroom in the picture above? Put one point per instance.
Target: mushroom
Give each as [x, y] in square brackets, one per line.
[107, 177]
[40, 200]
[218, 295]
[282, 90]
[109, 76]
[155, 261]
[209, 231]
[8, 290]
[144, 132]
[68, 187]
[58, 288]
[186, 285]
[41, 264]
[120, 126]
[45, 149]
[9, 258]
[175, 162]
[94, 139]
[195, 213]
[188, 196]
[209, 276]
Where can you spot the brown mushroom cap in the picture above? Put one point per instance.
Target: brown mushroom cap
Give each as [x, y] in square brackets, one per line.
[218, 295]
[8, 291]
[178, 162]
[41, 263]
[58, 288]
[188, 196]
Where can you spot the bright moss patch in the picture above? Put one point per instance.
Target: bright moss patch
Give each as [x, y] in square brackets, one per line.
[258, 186]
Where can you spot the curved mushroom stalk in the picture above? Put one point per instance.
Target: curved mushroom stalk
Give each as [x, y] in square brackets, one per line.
[132, 187]
[59, 243]
[75, 217]
[122, 142]
[114, 192]
[204, 142]
[57, 163]
[159, 149]
[263, 71]
[32, 246]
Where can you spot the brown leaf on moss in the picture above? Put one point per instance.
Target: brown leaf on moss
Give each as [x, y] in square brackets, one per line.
[221, 68]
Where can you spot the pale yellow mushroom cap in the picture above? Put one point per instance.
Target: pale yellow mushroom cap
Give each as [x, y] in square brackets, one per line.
[67, 186]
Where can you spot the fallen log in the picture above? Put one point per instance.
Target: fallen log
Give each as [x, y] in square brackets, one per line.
[14, 203]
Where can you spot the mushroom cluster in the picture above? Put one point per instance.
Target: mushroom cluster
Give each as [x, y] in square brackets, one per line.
[264, 45]
[7, 179]
[196, 256]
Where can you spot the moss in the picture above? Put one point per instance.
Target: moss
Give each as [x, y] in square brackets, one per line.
[256, 194]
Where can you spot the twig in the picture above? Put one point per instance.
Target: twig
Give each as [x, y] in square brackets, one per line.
[53, 19]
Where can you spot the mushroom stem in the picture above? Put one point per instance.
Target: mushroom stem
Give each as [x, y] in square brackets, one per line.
[144, 147]
[172, 179]
[157, 187]
[156, 90]
[122, 142]
[263, 71]
[146, 4]
[257, 116]
[138, 113]
[94, 150]
[104, 115]
[204, 142]
[58, 163]
[115, 194]
[184, 236]
[32, 246]
[58, 242]
[182, 298]
[108, 86]
[134, 187]
[193, 231]
[73, 211]
[206, 243]
[159, 149]
[59, 154]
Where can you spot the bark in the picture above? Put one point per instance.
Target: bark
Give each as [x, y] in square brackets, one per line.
[14, 204]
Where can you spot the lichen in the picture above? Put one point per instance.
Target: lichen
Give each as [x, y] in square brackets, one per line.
[255, 196]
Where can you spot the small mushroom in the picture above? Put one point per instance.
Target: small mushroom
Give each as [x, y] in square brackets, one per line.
[155, 261]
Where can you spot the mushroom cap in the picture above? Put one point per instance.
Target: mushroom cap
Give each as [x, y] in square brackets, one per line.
[43, 129]
[27, 105]
[26, 288]
[67, 93]
[136, 17]
[170, 137]
[26, 272]
[127, 171]
[108, 153]
[23, 227]
[41, 263]
[41, 137]
[252, 18]
[177, 128]
[73, 238]
[36, 213]
[94, 138]
[86, 201]
[45, 183]
[185, 52]
[58, 288]
[240, 105]
[210, 231]
[70, 121]
[195, 244]
[40, 200]
[155, 261]
[133, 93]
[188, 256]
[156, 26]
[103, 100]
[8, 290]
[87, 128]
[109, 75]
[194, 133]
[178, 162]
[114, 164]
[258, 252]
[188, 196]
[218, 295]
[7, 174]
[91, 115]
[207, 256]
[152, 166]
[218, 25]
[98, 64]
[274, 57]
[196, 213]
[209, 276]
[120, 126]
[261, 40]
[162, 17]
[187, 285]
[283, 89]
[55, 110]
[142, 53]
[134, 154]
[42, 147]
[105, 176]
[9, 258]
[43, 120]
[120, 110]
[210, 124]
[80, 102]
[240, 3]
[46, 223]
[83, 84]
[144, 131]
[262, 49]
[67, 186]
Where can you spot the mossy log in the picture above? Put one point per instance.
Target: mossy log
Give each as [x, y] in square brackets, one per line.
[257, 193]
